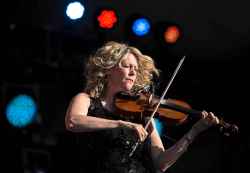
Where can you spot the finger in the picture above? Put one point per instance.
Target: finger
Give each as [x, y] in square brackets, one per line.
[139, 132]
[144, 133]
[139, 135]
[215, 119]
[204, 114]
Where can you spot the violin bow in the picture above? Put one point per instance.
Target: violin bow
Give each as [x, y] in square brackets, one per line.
[161, 98]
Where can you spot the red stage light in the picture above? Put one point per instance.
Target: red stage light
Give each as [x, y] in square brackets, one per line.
[171, 34]
[107, 19]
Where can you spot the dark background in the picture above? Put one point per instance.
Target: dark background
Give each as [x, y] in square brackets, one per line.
[43, 52]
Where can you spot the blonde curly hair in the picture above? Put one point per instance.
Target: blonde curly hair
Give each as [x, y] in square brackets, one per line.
[107, 57]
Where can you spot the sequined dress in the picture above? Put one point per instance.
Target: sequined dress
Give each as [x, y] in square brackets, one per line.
[106, 151]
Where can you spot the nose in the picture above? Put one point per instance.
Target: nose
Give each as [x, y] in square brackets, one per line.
[132, 70]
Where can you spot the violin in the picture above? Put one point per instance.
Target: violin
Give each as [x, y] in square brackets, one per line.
[172, 110]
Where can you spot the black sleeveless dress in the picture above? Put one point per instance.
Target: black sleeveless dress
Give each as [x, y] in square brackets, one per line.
[106, 151]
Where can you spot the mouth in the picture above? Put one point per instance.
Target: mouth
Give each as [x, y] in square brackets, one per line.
[130, 80]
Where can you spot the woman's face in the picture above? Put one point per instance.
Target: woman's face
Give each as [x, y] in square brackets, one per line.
[123, 76]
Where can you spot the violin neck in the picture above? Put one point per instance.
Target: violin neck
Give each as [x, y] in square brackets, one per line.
[182, 109]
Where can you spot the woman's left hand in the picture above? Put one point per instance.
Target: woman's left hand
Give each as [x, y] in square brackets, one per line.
[208, 119]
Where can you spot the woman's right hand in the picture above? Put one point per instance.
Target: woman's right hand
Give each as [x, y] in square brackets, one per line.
[138, 129]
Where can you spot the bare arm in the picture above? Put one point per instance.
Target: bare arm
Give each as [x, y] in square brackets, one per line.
[163, 159]
[76, 118]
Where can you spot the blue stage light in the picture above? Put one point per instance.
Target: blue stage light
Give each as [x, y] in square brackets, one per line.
[21, 111]
[141, 26]
[158, 125]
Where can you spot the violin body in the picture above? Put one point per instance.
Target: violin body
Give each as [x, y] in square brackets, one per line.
[141, 105]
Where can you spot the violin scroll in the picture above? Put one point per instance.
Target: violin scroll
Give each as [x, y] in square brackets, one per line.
[228, 129]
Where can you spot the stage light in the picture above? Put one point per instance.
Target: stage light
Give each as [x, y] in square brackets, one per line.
[171, 34]
[158, 125]
[141, 26]
[107, 19]
[167, 33]
[75, 10]
[21, 110]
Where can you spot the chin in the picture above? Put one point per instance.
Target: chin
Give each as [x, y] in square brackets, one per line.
[127, 87]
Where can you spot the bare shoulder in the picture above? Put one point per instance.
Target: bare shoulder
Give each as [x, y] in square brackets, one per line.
[79, 104]
[82, 96]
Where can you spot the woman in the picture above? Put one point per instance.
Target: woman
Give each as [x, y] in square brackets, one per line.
[114, 68]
